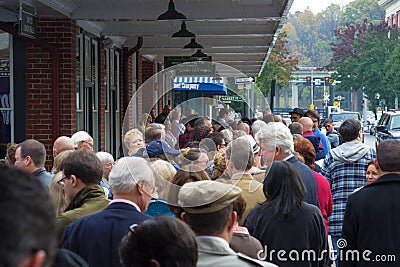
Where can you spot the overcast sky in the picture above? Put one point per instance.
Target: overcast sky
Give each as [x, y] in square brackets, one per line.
[315, 6]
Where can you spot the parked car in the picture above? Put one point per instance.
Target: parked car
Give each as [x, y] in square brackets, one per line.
[388, 127]
[340, 117]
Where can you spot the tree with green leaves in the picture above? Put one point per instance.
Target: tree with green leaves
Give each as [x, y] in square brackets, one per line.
[366, 58]
[310, 35]
[360, 10]
[279, 66]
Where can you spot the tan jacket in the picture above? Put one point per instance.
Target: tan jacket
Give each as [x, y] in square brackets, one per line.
[252, 191]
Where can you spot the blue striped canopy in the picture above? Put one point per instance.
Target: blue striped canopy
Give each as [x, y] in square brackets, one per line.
[207, 85]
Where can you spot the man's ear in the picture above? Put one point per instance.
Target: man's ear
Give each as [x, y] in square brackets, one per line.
[277, 153]
[232, 220]
[139, 188]
[34, 260]
[183, 217]
[28, 160]
[74, 180]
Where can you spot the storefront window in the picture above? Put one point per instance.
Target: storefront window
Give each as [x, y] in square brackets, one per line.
[6, 106]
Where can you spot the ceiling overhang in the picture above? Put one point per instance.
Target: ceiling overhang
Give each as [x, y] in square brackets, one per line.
[238, 33]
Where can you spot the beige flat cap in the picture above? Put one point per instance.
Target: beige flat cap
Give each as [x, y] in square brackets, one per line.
[207, 196]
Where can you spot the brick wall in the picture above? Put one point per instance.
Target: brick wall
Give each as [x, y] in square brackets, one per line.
[148, 69]
[62, 35]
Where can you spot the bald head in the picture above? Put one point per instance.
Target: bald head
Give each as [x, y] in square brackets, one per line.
[307, 123]
[61, 144]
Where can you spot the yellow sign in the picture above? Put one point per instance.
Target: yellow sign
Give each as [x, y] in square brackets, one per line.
[312, 106]
[336, 104]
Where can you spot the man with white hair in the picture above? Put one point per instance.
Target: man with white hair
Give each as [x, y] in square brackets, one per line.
[107, 161]
[276, 143]
[257, 125]
[96, 237]
[82, 140]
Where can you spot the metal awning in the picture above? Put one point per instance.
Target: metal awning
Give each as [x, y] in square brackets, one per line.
[238, 33]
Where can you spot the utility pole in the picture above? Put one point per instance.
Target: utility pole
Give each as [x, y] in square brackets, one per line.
[312, 87]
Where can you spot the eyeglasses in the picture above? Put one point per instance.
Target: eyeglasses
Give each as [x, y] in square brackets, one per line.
[109, 164]
[153, 193]
[61, 182]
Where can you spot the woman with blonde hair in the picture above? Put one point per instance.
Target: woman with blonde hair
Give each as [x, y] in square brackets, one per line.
[57, 192]
[163, 172]
[133, 141]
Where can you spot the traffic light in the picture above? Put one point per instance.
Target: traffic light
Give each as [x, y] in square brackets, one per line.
[308, 79]
[326, 79]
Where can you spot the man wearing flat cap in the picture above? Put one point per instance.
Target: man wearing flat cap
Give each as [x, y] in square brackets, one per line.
[208, 210]
[296, 114]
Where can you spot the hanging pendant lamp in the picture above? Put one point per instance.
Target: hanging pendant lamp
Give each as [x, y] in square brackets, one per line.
[199, 54]
[183, 32]
[171, 13]
[193, 45]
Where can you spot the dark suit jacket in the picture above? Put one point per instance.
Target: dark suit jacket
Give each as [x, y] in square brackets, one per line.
[372, 222]
[319, 149]
[308, 179]
[96, 237]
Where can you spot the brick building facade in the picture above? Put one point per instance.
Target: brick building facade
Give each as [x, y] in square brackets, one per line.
[48, 68]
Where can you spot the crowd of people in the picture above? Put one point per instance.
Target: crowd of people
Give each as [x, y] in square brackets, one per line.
[195, 191]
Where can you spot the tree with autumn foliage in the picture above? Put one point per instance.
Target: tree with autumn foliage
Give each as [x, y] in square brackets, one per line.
[366, 57]
[310, 35]
[279, 66]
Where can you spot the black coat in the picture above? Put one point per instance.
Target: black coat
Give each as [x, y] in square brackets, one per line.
[308, 179]
[372, 222]
[96, 237]
[305, 232]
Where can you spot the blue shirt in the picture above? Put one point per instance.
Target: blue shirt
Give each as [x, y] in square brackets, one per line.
[44, 176]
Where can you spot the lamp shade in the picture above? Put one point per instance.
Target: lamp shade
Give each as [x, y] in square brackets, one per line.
[171, 13]
[199, 54]
[183, 32]
[193, 44]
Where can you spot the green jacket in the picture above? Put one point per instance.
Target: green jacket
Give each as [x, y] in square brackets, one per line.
[89, 200]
